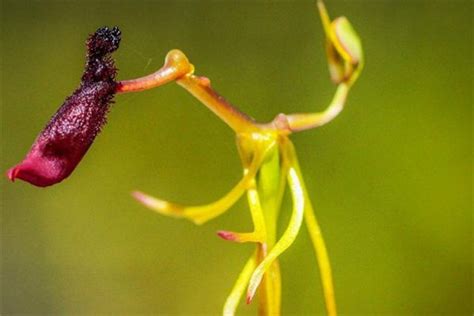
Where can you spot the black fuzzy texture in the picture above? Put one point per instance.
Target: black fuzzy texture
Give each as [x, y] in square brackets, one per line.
[75, 125]
[100, 66]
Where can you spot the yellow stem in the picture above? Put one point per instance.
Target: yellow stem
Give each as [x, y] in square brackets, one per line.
[176, 65]
[317, 240]
[304, 121]
[200, 87]
[202, 213]
[323, 259]
[288, 236]
[235, 295]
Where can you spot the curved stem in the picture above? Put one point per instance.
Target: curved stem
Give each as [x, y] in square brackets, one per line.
[176, 65]
[200, 88]
[288, 236]
[259, 234]
[304, 121]
[178, 68]
[317, 240]
[235, 295]
[202, 213]
[323, 259]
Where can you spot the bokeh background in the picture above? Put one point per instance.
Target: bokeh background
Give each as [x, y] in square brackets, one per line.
[391, 178]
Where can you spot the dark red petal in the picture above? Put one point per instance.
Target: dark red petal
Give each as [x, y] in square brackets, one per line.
[71, 131]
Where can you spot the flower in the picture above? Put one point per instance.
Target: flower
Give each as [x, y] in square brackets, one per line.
[70, 132]
[343, 48]
[269, 159]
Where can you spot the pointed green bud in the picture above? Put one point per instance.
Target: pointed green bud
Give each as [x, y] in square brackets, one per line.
[343, 48]
[348, 42]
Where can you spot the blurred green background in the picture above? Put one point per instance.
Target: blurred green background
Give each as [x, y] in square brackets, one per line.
[390, 178]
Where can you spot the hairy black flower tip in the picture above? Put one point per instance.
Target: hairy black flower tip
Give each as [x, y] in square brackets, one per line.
[70, 132]
[100, 45]
[103, 41]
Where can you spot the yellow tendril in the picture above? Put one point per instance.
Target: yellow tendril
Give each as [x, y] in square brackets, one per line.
[202, 213]
[288, 236]
[317, 240]
[235, 295]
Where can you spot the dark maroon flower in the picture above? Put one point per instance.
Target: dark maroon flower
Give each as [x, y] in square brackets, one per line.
[71, 131]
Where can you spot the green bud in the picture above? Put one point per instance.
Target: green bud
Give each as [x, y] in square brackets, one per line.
[343, 48]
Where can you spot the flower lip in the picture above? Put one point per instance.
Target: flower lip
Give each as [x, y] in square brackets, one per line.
[34, 173]
[12, 173]
[46, 163]
[71, 131]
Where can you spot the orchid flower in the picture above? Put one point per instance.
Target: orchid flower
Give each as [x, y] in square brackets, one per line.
[269, 161]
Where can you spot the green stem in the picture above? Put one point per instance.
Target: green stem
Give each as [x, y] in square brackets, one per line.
[270, 184]
[317, 240]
